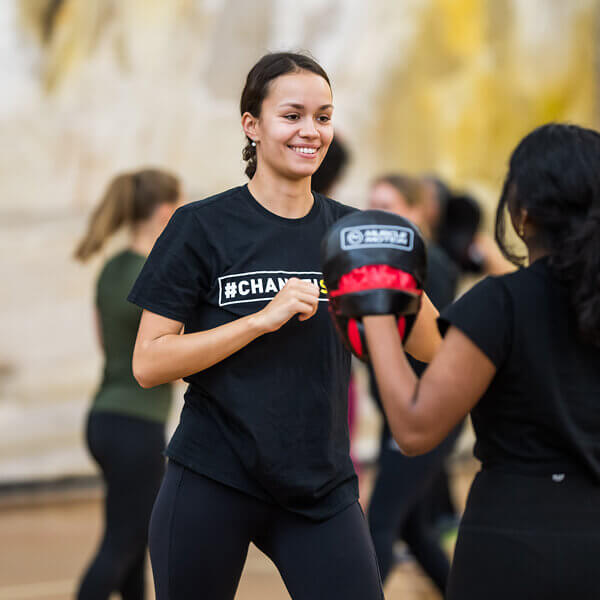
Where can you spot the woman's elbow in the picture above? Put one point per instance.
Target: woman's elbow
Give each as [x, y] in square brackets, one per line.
[142, 377]
[413, 444]
[141, 372]
[423, 354]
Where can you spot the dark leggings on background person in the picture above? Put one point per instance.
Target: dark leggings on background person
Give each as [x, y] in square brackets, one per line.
[400, 507]
[129, 452]
[201, 529]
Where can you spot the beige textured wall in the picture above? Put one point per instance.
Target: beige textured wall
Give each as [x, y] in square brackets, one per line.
[103, 85]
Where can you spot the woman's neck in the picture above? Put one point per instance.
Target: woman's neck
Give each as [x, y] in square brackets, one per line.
[289, 198]
[536, 254]
[142, 239]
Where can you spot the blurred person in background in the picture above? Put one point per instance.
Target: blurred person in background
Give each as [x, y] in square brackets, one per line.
[126, 424]
[401, 502]
[453, 221]
[332, 168]
[520, 353]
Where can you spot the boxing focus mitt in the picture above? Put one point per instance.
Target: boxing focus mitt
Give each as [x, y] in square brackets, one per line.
[374, 263]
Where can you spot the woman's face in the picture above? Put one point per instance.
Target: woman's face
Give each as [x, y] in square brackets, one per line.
[295, 129]
[384, 196]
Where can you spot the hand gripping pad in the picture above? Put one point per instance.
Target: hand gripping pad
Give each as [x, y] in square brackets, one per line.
[352, 332]
[374, 263]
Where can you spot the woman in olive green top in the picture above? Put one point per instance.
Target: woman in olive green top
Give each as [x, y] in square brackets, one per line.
[126, 424]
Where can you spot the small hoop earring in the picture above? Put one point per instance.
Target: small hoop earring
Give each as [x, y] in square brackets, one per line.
[253, 144]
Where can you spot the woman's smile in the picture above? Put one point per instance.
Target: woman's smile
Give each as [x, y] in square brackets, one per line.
[307, 152]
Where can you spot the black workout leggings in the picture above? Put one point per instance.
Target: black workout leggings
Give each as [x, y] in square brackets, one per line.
[528, 537]
[201, 529]
[129, 452]
[401, 506]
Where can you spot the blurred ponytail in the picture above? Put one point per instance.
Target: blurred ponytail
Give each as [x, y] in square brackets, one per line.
[115, 209]
[554, 174]
[129, 199]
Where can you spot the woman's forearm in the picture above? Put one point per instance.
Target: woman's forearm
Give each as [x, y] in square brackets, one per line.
[398, 385]
[172, 356]
[425, 338]
[162, 355]
[396, 381]
[422, 412]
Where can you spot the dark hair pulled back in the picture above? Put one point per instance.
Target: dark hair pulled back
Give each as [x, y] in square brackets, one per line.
[554, 174]
[130, 198]
[409, 187]
[268, 68]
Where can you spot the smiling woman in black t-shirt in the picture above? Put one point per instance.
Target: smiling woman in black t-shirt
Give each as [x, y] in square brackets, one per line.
[522, 354]
[261, 453]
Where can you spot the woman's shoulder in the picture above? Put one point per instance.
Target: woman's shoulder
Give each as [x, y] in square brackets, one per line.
[121, 268]
[212, 203]
[520, 288]
[337, 209]
[122, 260]
[526, 280]
[484, 291]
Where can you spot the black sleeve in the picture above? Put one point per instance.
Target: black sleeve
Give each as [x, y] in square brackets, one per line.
[338, 209]
[176, 274]
[442, 278]
[484, 315]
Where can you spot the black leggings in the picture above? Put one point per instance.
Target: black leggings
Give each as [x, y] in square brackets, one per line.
[401, 506]
[201, 529]
[528, 538]
[129, 452]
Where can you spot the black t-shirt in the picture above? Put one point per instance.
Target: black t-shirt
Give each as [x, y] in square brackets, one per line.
[541, 412]
[271, 419]
[442, 277]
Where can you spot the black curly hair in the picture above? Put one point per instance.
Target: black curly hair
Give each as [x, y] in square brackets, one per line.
[554, 174]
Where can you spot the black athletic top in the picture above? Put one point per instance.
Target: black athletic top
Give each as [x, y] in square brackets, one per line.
[541, 412]
[271, 419]
[119, 392]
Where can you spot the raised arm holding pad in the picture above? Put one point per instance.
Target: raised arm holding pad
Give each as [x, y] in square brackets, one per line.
[374, 263]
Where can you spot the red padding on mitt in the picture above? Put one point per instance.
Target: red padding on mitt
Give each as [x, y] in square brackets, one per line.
[402, 327]
[354, 337]
[373, 277]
